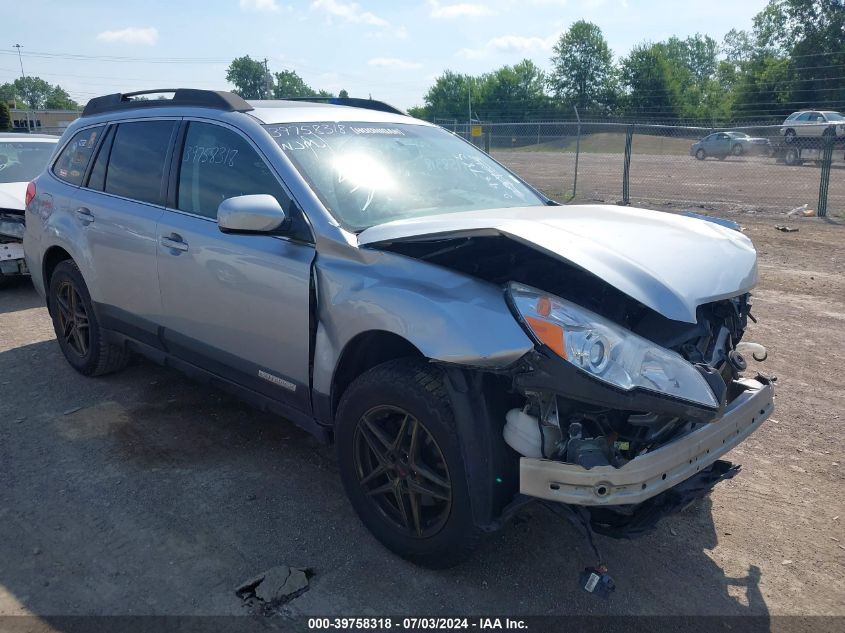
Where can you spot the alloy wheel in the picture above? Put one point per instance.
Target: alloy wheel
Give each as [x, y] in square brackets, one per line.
[402, 470]
[74, 324]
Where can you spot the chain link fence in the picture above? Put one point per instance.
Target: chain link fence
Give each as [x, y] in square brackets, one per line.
[756, 168]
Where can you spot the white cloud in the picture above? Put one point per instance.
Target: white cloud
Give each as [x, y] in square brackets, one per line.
[394, 62]
[131, 35]
[267, 6]
[349, 11]
[459, 10]
[511, 44]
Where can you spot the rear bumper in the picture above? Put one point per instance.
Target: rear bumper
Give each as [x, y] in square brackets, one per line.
[648, 475]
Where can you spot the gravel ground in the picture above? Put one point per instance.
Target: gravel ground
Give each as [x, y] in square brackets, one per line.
[144, 493]
[742, 183]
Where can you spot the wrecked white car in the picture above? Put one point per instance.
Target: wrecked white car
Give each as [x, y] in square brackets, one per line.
[22, 158]
[468, 344]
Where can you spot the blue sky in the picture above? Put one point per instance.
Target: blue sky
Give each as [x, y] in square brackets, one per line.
[390, 49]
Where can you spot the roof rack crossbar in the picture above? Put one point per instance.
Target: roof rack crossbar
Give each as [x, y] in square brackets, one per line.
[216, 99]
[355, 102]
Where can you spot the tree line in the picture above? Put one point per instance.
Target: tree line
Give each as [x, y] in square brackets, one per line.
[253, 80]
[792, 58]
[34, 93]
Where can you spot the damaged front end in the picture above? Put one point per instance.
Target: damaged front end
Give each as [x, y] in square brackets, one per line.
[629, 418]
[634, 388]
[12, 261]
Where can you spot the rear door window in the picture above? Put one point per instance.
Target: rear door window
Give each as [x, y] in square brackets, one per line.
[73, 161]
[136, 164]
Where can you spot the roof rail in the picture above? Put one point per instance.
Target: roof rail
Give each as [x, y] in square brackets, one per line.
[355, 102]
[216, 99]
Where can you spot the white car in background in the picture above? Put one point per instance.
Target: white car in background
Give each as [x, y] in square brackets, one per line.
[22, 158]
[813, 123]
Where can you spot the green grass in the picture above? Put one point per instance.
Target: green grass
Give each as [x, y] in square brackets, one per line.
[609, 143]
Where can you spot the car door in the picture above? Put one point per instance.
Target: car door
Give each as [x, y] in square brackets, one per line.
[119, 208]
[722, 145]
[813, 125]
[236, 305]
[803, 125]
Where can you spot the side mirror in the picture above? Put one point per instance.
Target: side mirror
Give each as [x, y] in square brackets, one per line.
[259, 213]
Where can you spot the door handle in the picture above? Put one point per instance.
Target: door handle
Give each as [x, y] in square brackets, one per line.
[174, 242]
[84, 215]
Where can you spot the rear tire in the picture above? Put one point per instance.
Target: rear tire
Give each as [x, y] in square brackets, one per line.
[737, 150]
[77, 326]
[382, 468]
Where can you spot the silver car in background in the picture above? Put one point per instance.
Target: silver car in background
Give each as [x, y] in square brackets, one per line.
[724, 144]
[813, 124]
[468, 344]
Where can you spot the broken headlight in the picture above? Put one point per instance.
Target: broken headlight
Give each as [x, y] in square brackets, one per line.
[606, 350]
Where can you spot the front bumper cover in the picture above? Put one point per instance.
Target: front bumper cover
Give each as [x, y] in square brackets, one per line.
[648, 475]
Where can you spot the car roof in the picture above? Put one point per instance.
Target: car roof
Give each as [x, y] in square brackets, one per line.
[280, 111]
[28, 138]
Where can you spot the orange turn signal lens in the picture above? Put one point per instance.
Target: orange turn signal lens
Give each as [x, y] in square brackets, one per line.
[548, 333]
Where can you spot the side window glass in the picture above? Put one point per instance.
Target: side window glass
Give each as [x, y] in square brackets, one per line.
[218, 164]
[73, 161]
[136, 164]
[97, 179]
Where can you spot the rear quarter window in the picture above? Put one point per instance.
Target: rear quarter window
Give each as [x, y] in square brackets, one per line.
[73, 161]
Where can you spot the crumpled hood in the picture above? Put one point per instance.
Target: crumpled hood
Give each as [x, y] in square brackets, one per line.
[13, 195]
[667, 262]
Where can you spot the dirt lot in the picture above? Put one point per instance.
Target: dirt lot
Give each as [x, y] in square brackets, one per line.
[143, 493]
[745, 183]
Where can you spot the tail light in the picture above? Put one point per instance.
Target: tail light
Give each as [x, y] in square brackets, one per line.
[30, 192]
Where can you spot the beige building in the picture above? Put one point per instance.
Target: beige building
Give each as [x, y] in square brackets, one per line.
[43, 121]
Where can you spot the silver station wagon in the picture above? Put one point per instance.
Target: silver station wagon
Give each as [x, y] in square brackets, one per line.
[468, 344]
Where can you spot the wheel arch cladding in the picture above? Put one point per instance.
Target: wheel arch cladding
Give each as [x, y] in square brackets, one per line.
[362, 353]
[52, 258]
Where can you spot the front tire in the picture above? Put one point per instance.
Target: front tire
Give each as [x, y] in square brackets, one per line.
[700, 154]
[77, 326]
[400, 461]
[789, 136]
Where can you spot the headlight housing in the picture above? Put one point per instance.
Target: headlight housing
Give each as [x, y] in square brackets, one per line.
[606, 350]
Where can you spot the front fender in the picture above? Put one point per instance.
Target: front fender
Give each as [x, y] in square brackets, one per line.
[448, 316]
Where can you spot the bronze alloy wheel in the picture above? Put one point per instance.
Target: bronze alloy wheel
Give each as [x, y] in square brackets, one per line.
[402, 470]
[73, 319]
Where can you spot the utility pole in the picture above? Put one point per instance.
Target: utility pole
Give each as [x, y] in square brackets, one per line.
[268, 81]
[469, 103]
[23, 83]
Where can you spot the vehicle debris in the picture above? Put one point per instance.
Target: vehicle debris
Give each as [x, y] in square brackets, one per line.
[274, 587]
[785, 229]
[798, 210]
